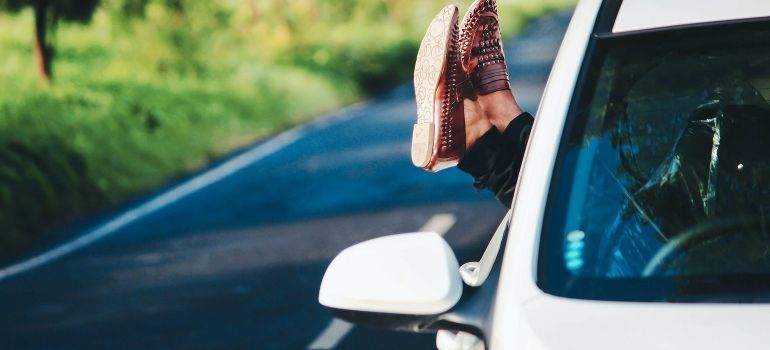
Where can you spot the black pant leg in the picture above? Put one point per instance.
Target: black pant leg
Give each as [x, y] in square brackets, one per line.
[495, 159]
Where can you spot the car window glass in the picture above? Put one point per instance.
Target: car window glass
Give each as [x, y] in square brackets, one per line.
[665, 171]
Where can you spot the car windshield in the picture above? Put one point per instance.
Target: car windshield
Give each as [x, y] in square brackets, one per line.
[661, 191]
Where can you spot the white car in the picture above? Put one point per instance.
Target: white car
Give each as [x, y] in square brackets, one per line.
[642, 214]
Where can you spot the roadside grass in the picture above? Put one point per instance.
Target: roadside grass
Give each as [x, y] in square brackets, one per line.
[136, 104]
[66, 152]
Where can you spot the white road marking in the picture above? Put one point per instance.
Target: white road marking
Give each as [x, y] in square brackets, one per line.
[338, 329]
[439, 223]
[182, 190]
[332, 335]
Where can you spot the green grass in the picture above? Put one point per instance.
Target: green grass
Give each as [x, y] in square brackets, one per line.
[138, 102]
[67, 151]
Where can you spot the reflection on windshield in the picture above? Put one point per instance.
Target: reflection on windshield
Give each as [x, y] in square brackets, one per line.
[716, 171]
[666, 170]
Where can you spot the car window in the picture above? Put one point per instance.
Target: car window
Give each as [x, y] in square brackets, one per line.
[662, 183]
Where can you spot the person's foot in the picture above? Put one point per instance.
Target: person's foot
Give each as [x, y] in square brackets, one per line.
[483, 60]
[481, 48]
[438, 138]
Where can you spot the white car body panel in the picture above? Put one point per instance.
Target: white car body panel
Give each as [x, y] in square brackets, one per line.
[567, 324]
[517, 279]
[523, 316]
[648, 14]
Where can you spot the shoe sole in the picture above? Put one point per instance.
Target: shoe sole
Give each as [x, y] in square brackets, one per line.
[429, 69]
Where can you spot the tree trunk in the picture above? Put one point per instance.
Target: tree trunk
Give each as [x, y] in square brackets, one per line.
[43, 51]
[254, 10]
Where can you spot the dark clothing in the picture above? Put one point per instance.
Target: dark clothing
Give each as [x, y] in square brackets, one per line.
[495, 159]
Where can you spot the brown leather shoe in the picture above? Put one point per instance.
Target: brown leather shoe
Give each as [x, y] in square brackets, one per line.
[438, 138]
[481, 49]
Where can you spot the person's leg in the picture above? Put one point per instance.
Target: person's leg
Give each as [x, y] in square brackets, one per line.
[495, 159]
[487, 134]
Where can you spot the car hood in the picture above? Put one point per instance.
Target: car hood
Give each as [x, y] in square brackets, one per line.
[559, 323]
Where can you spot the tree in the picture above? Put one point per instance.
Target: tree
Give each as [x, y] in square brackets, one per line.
[47, 15]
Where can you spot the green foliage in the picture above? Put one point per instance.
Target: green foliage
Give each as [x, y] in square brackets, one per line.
[13, 5]
[70, 10]
[374, 68]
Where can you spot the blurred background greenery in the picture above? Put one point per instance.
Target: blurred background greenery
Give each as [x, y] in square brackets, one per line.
[139, 92]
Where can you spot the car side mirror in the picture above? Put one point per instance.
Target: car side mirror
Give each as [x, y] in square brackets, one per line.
[400, 282]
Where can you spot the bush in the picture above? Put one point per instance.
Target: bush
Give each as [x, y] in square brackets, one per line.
[40, 182]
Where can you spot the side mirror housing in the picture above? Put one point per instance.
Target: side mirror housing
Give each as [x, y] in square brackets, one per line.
[401, 281]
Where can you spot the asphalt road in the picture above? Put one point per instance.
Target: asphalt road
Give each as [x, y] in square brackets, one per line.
[233, 257]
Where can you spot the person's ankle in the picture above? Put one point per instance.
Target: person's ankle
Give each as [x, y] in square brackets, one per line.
[476, 125]
[500, 108]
